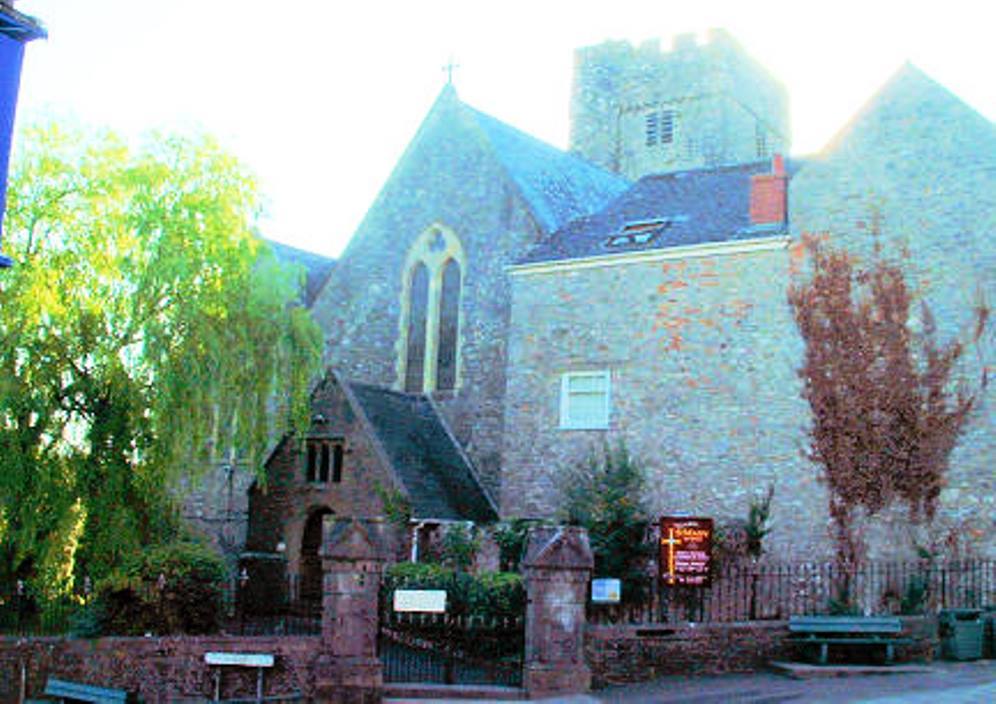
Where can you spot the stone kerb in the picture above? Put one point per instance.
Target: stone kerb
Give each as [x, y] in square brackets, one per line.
[558, 566]
[353, 555]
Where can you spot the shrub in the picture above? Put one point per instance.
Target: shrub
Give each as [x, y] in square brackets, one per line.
[459, 547]
[487, 595]
[606, 497]
[173, 588]
[511, 537]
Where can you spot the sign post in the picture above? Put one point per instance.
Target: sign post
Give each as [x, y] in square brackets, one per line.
[686, 551]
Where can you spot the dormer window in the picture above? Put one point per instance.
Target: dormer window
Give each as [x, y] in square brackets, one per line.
[636, 233]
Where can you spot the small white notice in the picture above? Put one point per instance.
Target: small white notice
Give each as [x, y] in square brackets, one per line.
[431, 601]
[239, 659]
[606, 591]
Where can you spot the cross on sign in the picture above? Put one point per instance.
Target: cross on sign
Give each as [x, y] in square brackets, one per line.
[670, 541]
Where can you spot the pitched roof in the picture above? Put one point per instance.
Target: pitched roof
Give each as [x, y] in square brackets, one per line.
[679, 209]
[557, 186]
[915, 104]
[439, 481]
[316, 267]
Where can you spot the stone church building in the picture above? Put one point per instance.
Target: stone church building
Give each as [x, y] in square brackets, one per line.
[506, 307]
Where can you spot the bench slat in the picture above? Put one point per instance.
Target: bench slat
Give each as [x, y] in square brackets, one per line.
[84, 692]
[844, 624]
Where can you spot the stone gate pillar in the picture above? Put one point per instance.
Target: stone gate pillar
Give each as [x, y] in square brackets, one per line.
[349, 671]
[558, 566]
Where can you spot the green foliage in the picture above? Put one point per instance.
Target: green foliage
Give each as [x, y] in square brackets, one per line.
[487, 595]
[511, 537]
[757, 526]
[914, 599]
[145, 329]
[175, 588]
[606, 497]
[459, 547]
[396, 506]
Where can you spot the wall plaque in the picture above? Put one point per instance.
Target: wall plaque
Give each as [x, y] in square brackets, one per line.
[431, 601]
[606, 591]
[686, 551]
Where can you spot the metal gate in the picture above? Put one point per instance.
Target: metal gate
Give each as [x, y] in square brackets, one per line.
[450, 648]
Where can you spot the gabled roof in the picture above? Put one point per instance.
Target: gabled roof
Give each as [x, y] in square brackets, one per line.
[913, 105]
[316, 267]
[436, 475]
[557, 186]
[680, 209]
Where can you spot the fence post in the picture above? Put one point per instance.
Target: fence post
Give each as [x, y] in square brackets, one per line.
[349, 671]
[558, 567]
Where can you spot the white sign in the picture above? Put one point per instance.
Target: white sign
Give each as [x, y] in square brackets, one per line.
[243, 659]
[431, 601]
[606, 591]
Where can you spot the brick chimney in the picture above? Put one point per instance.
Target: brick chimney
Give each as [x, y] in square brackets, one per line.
[769, 195]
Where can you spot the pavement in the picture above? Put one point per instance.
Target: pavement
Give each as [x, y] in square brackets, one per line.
[935, 683]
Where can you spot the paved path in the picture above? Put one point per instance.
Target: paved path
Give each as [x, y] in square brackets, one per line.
[943, 683]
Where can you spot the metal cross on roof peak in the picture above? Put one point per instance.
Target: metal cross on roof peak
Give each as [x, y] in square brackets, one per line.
[449, 68]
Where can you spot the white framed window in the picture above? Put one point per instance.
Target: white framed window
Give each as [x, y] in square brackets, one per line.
[584, 400]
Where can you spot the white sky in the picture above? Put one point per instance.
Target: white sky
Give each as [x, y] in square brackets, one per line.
[320, 97]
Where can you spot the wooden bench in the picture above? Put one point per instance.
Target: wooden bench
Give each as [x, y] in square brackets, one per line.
[257, 660]
[824, 631]
[74, 692]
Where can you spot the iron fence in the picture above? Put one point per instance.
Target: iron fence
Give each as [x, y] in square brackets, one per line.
[451, 648]
[777, 590]
[28, 611]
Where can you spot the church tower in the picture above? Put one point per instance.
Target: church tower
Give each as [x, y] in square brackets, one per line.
[638, 110]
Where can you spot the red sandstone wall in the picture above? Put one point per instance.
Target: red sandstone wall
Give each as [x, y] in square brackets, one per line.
[159, 669]
[638, 653]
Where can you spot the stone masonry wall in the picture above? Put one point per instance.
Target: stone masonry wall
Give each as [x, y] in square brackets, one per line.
[704, 392]
[922, 165]
[159, 669]
[279, 512]
[449, 177]
[721, 97]
[627, 654]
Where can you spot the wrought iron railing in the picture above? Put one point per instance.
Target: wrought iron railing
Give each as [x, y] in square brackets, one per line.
[776, 590]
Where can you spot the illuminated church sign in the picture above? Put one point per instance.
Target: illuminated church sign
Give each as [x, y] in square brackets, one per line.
[685, 551]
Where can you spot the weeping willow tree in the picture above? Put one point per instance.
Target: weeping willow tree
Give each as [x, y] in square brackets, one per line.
[143, 329]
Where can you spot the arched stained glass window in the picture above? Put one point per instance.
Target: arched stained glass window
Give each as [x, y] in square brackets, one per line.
[449, 315]
[418, 314]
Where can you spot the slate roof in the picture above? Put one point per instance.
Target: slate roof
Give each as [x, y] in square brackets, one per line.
[557, 185]
[696, 206]
[438, 478]
[316, 267]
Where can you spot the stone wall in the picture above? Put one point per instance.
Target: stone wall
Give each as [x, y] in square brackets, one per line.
[159, 669]
[920, 166]
[721, 98]
[627, 654]
[703, 357]
[280, 510]
[448, 177]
